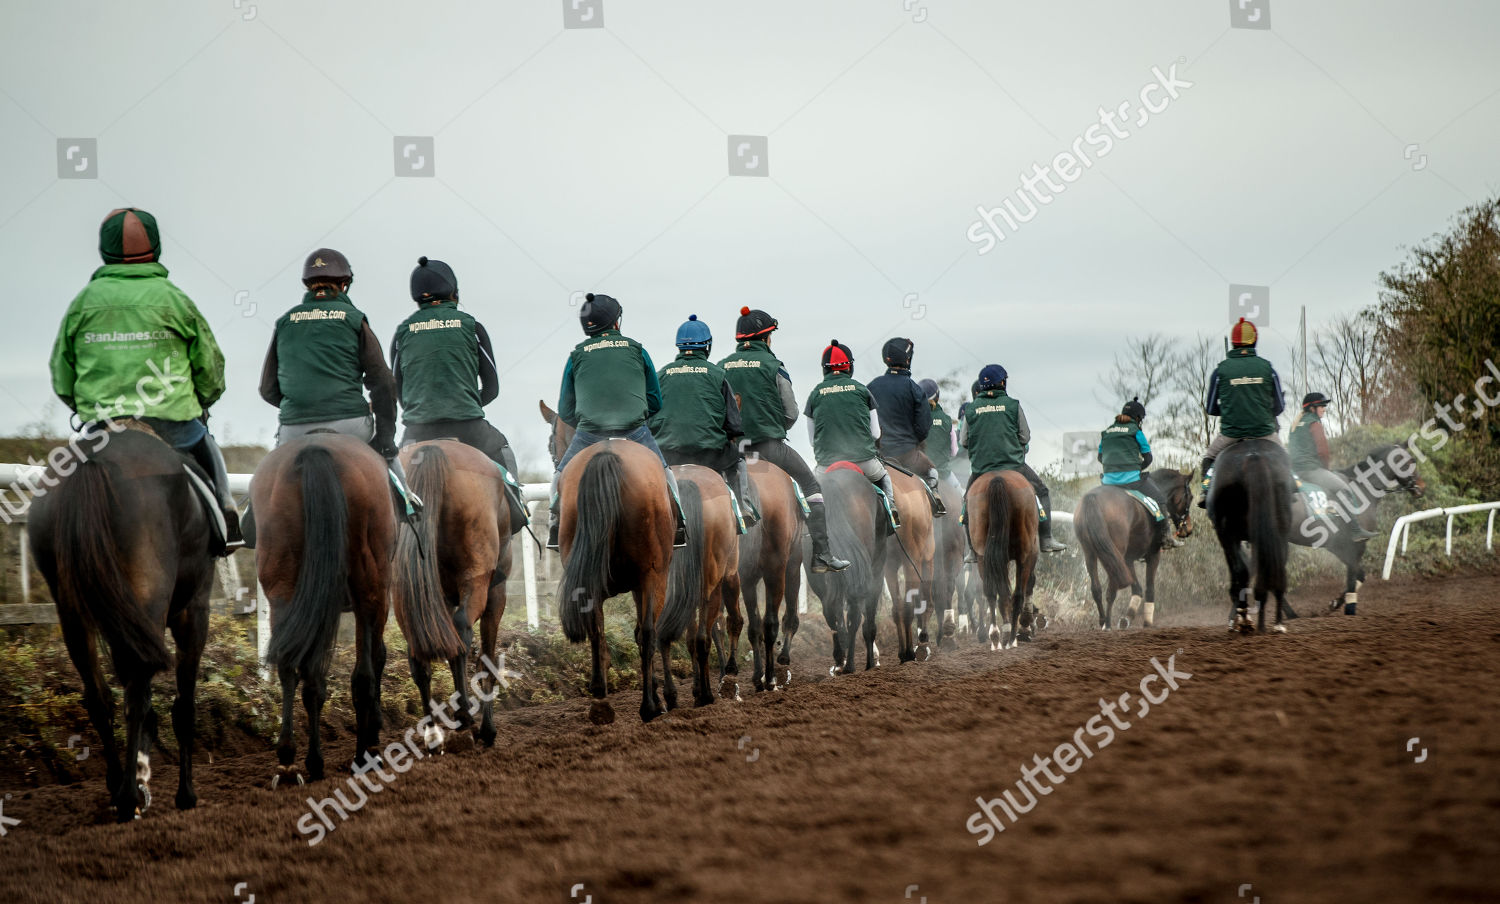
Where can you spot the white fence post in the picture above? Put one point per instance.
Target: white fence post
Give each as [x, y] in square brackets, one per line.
[1402, 529]
[528, 571]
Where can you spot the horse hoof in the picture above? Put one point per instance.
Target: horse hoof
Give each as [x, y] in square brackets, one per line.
[783, 677]
[1124, 622]
[145, 794]
[289, 773]
[460, 742]
[924, 653]
[1336, 604]
[1278, 629]
[601, 713]
[1042, 622]
[729, 689]
[833, 671]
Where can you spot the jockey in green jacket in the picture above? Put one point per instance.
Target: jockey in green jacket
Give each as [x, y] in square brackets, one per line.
[942, 439]
[134, 345]
[609, 389]
[1124, 453]
[843, 423]
[1245, 394]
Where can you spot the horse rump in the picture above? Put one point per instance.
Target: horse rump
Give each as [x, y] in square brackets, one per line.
[304, 636]
[996, 567]
[597, 517]
[421, 608]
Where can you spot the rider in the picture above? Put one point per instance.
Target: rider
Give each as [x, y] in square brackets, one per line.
[997, 436]
[609, 389]
[444, 367]
[1124, 453]
[322, 359]
[1308, 447]
[843, 422]
[767, 408]
[1245, 394]
[699, 420]
[132, 344]
[905, 420]
[942, 438]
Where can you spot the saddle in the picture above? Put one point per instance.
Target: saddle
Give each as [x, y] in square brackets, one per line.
[197, 479]
[886, 502]
[1314, 497]
[938, 508]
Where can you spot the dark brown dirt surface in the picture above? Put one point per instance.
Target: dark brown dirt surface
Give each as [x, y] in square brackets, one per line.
[1281, 764]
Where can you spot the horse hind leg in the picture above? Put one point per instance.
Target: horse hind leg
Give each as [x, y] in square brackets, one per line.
[190, 634]
[134, 795]
[314, 695]
[97, 698]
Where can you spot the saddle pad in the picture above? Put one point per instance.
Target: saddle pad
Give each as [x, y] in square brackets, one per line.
[1148, 502]
[1315, 498]
[844, 466]
[801, 499]
[1041, 513]
[210, 502]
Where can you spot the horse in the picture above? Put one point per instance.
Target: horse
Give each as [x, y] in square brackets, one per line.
[560, 435]
[857, 531]
[910, 552]
[1378, 466]
[771, 554]
[1002, 524]
[702, 574]
[1115, 530]
[1250, 501]
[327, 531]
[123, 542]
[450, 571]
[947, 567]
[615, 532]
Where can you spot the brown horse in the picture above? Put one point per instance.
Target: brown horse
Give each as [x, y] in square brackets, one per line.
[947, 566]
[703, 573]
[453, 574]
[857, 531]
[327, 530]
[770, 554]
[1002, 523]
[615, 534]
[909, 552]
[123, 543]
[1117, 531]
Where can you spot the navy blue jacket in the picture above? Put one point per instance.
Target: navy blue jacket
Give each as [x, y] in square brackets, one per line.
[905, 418]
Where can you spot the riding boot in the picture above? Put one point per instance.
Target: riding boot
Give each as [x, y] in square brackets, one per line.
[679, 538]
[1044, 527]
[211, 459]
[970, 556]
[1208, 466]
[890, 500]
[508, 458]
[817, 527]
[552, 513]
[748, 509]
[938, 508]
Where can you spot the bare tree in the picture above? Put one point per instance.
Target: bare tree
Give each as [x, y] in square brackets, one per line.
[1143, 370]
[1189, 426]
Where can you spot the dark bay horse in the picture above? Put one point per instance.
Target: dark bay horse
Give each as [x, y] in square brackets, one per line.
[909, 553]
[1116, 531]
[702, 574]
[770, 554]
[327, 531]
[122, 540]
[453, 574]
[615, 534]
[1250, 502]
[857, 531]
[1002, 523]
[947, 566]
[1381, 471]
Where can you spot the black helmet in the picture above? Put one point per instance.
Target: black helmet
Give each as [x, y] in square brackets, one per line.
[327, 265]
[599, 313]
[897, 352]
[1314, 398]
[433, 281]
[1135, 409]
[753, 325]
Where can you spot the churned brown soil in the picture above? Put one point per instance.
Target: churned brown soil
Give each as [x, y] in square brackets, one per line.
[1282, 764]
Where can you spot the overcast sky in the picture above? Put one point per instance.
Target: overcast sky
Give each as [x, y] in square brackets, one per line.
[571, 159]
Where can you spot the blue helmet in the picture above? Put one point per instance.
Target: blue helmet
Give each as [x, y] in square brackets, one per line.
[695, 334]
[991, 377]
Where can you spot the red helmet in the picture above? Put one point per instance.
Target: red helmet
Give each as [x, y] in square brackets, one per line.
[1242, 333]
[837, 357]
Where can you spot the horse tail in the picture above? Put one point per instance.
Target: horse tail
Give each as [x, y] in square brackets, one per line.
[1266, 512]
[997, 538]
[599, 516]
[1094, 534]
[685, 576]
[859, 580]
[303, 637]
[91, 572]
[421, 609]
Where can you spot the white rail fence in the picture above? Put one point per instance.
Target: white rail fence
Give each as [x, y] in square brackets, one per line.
[1402, 529]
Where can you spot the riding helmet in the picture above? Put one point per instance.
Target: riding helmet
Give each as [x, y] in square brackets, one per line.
[1314, 398]
[128, 235]
[993, 376]
[433, 281]
[1135, 409]
[327, 265]
[753, 324]
[929, 389]
[695, 334]
[897, 352]
[599, 313]
[1242, 334]
[838, 357]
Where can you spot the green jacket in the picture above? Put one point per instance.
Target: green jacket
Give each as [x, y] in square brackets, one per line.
[767, 407]
[995, 432]
[133, 344]
[318, 368]
[839, 408]
[443, 365]
[698, 412]
[939, 441]
[1308, 443]
[1245, 394]
[609, 385]
[1120, 446]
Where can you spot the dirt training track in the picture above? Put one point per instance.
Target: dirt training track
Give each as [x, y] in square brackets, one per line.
[1281, 764]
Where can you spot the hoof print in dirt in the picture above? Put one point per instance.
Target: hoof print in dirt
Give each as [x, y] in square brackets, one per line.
[601, 713]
